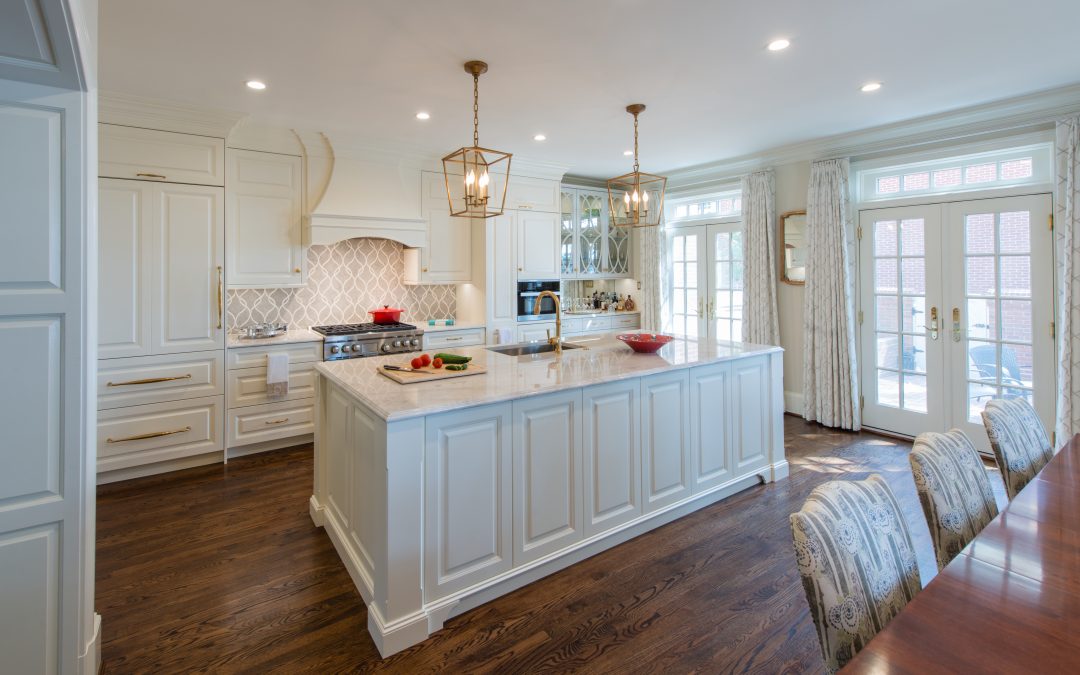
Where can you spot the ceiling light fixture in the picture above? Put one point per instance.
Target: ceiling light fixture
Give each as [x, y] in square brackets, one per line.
[628, 153]
[870, 86]
[256, 84]
[423, 115]
[777, 45]
[629, 195]
[539, 137]
[476, 177]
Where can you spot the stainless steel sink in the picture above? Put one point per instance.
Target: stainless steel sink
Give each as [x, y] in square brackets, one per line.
[530, 348]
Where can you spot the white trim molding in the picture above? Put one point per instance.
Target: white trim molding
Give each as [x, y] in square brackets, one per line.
[148, 113]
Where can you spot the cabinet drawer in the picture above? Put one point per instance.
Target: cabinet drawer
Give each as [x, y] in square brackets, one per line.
[255, 357]
[621, 322]
[595, 324]
[532, 194]
[144, 434]
[572, 325]
[534, 332]
[457, 338]
[247, 386]
[146, 154]
[270, 421]
[140, 380]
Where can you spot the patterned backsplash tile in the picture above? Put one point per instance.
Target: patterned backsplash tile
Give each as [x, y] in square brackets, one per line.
[345, 280]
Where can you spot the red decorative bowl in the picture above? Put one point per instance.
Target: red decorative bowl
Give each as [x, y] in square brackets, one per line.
[645, 343]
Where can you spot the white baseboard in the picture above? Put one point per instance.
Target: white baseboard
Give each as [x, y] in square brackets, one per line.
[215, 457]
[90, 659]
[266, 446]
[793, 402]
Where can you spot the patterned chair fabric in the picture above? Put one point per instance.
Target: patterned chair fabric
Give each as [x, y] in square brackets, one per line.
[954, 490]
[1018, 439]
[856, 561]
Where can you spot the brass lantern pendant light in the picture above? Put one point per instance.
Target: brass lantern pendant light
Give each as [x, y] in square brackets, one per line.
[476, 177]
[636, 199]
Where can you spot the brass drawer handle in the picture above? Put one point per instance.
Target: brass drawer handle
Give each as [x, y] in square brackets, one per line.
[149, 380]
[141, 437]
[454, 339]
[150, 175]
[283, 420]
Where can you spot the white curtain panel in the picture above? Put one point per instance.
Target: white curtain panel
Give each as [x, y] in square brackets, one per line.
[650, 260]
[760, 316]
[1067, 229]
[830, 374]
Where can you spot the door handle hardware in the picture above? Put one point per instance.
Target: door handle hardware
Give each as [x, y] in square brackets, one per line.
[149, 380]
[142, 437]
[283, 420]
[956, 324]
[933, 327]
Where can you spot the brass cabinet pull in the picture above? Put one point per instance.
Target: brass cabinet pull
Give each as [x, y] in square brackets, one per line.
[296, 270]
[283, 420]
[455, 339]
[153, 434]
[151, 175]
[149, 380]
[220, 297]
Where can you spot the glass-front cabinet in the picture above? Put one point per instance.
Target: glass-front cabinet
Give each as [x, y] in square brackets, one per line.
[591, 246]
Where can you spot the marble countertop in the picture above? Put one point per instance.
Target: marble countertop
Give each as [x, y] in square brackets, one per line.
[513, 377]
[233, 340]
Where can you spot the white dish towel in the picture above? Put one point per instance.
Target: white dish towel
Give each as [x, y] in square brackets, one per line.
[277, 375]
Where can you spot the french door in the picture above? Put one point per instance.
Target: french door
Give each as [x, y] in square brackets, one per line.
[706, 281]
[956, 308]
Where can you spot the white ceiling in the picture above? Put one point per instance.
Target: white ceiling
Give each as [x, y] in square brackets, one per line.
[567, 68]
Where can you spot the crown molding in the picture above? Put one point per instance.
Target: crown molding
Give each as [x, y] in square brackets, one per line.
[1019, 114]
[585, 181]
[138, 111]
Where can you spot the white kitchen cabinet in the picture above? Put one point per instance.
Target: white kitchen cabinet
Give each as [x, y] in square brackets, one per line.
[612, 458]
[535, 331]
[156, 432]
[125, 267]
[710, 429]
[590, 246]
[264, 219]
[449, 339]
[665, 439]
[547, 474]
[447, 258]
[248, 385]
[625, 322]
[468, 475]
[255, 355]
[750, 413]
[532, 194]
[269, 422]
[501, 250]
[537, 244]
[161, 259]
[188, 262]
[151, 155]
[155, 379]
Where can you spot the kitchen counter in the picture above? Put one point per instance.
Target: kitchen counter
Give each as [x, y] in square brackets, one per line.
[290, 336]
[604, 359]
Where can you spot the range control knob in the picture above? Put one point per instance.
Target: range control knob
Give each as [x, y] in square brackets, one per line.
[414, 342]
[334, 350]
[346, 349]
[397, 343]
[386, 347]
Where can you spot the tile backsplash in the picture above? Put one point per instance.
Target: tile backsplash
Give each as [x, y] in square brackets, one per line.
[344, 281]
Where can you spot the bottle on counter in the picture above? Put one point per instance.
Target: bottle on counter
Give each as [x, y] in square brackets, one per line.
[628, 304]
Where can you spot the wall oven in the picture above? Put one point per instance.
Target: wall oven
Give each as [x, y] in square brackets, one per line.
[529, 294]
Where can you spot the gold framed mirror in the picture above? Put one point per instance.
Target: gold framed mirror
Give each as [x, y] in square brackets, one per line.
[793, 247]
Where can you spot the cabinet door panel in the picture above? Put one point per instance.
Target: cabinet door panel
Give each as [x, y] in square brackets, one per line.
[468, 522]
[750, 413]
[188, 242]
[538, 245]
[148, 154]
[612, 467]
[502, 279]
[547, 474]
[448, 256]
[125, 212]
[665, 420]
[263, 218]
[710, 422]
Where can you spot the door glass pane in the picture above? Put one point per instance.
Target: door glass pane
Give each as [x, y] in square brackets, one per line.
[980, 276]
[914, 314]
[914, 355]
[1016, 320]
[1016, 232]
[885, 311]
[913, 273]
[1016, 365]
[982, 318]
[979, 234]
[899, 306]
[888, 353]
[590, 208]
[566, 233]
[885, 275]
[1016, 276]
[915, 392]
[982, 361]
[978, 395]
[912, 236]
[885, 239]
[888, 388]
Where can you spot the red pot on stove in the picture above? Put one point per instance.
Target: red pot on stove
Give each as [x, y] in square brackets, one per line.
[386, 315]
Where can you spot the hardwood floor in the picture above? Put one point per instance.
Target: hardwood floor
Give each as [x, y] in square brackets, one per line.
[219, 569]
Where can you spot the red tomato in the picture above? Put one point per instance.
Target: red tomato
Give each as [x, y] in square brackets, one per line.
[418, 363]
[426, 359]
[437, 363]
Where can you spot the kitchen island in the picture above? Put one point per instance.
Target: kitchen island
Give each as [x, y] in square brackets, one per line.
[440, 496]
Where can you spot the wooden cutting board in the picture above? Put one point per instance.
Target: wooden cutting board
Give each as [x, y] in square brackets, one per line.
[429, 374]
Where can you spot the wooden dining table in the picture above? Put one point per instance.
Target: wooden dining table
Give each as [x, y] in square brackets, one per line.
[1009, 602]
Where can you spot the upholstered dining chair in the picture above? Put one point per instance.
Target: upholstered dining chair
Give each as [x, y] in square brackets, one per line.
[1019, 440]
[953, 489]
[857, 564]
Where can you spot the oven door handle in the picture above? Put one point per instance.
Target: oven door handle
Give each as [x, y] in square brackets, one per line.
[532, 294]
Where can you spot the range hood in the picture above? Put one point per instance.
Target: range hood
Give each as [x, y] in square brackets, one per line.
[367, 193]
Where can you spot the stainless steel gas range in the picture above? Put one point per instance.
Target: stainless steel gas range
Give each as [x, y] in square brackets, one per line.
[357, 340]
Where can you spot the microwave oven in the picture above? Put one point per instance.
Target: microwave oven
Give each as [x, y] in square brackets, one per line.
[528, 295]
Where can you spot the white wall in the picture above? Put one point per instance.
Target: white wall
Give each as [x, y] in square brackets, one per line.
[791, 184]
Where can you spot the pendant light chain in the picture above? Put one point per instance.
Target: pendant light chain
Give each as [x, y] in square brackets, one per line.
[476, 111]
[636, 167]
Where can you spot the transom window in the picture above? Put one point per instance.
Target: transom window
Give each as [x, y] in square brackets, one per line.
[1027, 165]
[720, 205]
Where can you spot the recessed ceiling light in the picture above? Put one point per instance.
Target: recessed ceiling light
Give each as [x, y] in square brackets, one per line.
[539, 137]
[423, 115]
[870, 86]
[255, 84]
[628, 153]
[777, 45]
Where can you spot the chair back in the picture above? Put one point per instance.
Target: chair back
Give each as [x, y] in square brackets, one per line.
[1019, 440]
[857, 564]
[954, 490]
